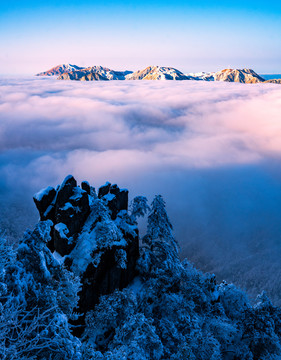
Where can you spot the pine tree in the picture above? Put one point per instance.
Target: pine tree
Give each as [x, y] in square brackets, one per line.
[159, 241]
[139, 207]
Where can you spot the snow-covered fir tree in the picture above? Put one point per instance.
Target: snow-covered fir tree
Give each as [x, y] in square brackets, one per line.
[160, 251]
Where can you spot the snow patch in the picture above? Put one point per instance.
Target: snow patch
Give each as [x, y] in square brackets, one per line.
[67, 206]
[77, 193]
[68, 177]
[109, 197]
[62, 229]
[99, 233]
[58, 257]
[44, 192]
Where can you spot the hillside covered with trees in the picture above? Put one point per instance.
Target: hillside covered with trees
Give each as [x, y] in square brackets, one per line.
[83, 285]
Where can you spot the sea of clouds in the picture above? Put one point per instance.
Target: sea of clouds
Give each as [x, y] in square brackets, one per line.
[212, 149]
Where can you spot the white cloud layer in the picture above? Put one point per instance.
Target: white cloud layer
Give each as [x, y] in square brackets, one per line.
[212, 149]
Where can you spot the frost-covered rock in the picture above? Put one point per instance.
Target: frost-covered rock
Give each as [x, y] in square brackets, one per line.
[104, 190]
[43, 199]
[86, 186]
[68, 205]
[94, 236]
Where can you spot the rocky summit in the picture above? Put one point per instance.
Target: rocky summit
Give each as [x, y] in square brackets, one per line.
[60, 69]
[158, 73]
[246, 76]
[92, 235]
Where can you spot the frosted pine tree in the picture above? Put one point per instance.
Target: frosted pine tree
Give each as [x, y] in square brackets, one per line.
[160, 245]
[139, 207]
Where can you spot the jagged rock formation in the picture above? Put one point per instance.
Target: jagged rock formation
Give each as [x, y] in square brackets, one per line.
[158, 73]
[92, 235]
[246, 76]
[60, 69]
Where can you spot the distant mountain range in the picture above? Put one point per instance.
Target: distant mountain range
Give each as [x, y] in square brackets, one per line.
[100, 73]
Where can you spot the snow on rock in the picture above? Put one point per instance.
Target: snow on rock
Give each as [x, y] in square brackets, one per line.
[43, 199]
[67, 206]
[44, 192]
[77, 194]
[62, 229]
[93, 236]
[58, 257]
[109, 197]
[157, 73]
[206, 76]
[103, 190]
[86, 186]
[98, 234]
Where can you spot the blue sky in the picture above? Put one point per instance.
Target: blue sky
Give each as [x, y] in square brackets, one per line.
[192, 36]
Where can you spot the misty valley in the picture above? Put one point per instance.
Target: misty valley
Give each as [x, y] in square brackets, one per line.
[140, 220]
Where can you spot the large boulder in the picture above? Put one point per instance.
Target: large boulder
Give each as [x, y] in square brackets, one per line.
[116, 200]
[104, 190]
[65, 190]
[43, 200]
[86, 186]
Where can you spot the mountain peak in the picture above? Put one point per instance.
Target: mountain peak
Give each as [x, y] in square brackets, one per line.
[60, 69]
[247, 76]
[157, 73]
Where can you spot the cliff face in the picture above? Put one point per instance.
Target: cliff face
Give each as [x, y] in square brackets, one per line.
[92, 235]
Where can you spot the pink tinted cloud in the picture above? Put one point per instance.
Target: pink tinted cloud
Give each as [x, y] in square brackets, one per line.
[212, 149]
[192, 123]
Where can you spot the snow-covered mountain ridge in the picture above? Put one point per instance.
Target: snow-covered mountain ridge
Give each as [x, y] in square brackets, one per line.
[60, 69]
[94, 73]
